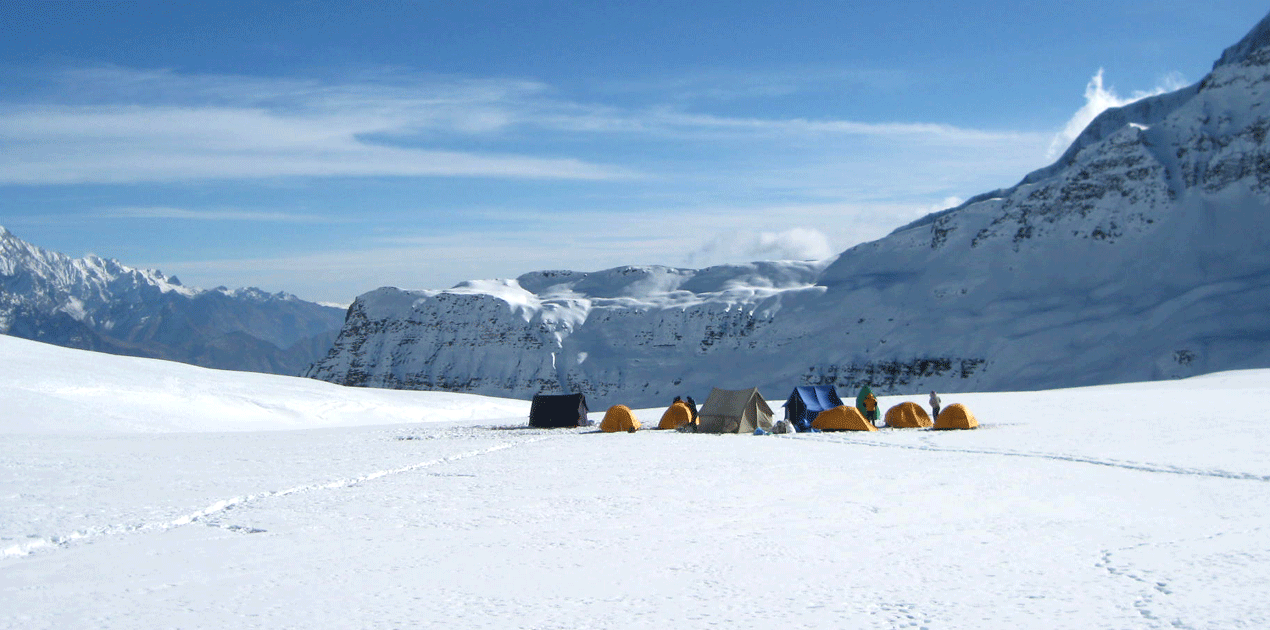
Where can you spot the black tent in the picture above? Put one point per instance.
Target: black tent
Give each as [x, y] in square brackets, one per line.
[558, 410]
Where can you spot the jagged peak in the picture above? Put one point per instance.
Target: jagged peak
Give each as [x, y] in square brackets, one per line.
[255, 294]
[19, 256]
[1256, 39]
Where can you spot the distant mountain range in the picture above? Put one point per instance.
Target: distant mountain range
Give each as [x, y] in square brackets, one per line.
[1141, 254]
[97, 304]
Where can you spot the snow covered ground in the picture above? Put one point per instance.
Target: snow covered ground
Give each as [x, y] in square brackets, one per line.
[146, 494]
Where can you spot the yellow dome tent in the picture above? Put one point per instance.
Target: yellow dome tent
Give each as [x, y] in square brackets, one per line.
[619, 418]
[842, 418]
[677, 415]
[956, 416]
[908, 415]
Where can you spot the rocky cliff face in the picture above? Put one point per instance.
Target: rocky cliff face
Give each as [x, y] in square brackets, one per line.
[98, 304]
[599, 332]
[1140, 254]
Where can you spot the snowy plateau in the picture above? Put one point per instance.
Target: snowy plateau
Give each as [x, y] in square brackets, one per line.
[137, 493]
[1141, 254]
[97, 304]
[1105, 320]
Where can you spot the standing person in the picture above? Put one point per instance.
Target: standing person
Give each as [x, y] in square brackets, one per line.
[934, 405]
[692, 405]
[867, 403]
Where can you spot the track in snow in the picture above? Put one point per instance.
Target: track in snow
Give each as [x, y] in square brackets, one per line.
[1061, 457]
[55, 542]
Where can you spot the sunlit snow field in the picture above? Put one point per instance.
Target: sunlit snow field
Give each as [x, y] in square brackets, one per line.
[147, 494]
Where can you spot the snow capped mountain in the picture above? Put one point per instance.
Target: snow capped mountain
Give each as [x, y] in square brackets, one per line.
[97, 304]
[598, 332]
[1139, 255]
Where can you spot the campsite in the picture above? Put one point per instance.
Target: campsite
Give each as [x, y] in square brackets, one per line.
[634, 316]
[140, 493]
[809, 409]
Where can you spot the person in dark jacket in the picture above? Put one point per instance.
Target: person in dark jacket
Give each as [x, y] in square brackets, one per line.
[692, 404]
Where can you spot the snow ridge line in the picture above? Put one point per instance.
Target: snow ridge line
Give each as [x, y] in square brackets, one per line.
[1112, 463]
[25, 549]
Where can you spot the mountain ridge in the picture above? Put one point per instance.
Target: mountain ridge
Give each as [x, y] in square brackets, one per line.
[1137, 255]
[100, 304]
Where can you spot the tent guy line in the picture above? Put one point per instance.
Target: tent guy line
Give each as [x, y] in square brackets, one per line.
[225, 505]
[1059, 457]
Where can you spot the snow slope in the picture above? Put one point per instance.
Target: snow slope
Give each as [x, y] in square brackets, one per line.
[1139, 255]
[54, 390]
[1128, 506]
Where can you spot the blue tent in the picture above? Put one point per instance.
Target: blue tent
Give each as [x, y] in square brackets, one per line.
[807, 401]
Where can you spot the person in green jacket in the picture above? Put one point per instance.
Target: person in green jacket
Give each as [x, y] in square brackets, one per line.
[867, 403]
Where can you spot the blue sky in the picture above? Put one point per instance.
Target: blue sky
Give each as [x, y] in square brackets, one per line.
[327, 149]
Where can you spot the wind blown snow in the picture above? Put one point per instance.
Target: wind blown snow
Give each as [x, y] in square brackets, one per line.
[139, 493]
[1099, 98]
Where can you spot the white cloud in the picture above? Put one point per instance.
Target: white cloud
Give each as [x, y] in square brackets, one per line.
[685, 177]
[743, 246]
[119, 125]
[531, 240]
[943, 204]
[130, 144]
[1099, 99]
[669, 122]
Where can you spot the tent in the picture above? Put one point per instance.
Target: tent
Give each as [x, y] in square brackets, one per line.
[619, 418]
[807, 401]
[677, 415]
[842, 418]
[907, 415]
[734, 411]
[956, 416]
[558, 410]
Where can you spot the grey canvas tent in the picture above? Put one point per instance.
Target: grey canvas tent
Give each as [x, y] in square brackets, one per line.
[807, 401]
[735, 411]
[557, 410]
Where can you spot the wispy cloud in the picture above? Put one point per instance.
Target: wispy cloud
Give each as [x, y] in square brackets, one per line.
[806, 127]
[163, 212]
[685, 184]
[130, 144]
[119, 125]
[530, 240]
[1099, 98]
[689, 235]
[671, 122]
[725, 84]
